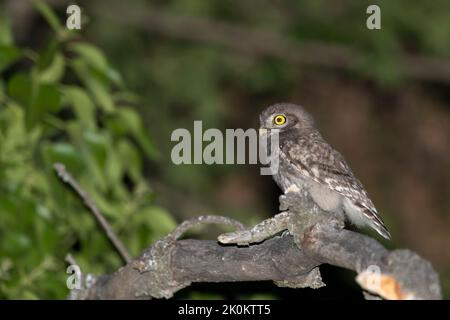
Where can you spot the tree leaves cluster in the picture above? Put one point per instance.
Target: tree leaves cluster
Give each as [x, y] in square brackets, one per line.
[66, 103]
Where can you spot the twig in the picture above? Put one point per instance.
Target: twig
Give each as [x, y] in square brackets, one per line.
[202, 220]
[67, 178]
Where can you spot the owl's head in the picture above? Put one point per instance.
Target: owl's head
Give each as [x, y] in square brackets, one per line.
[285, 116]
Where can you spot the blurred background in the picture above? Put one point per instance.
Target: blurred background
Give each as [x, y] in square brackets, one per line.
[104, 100]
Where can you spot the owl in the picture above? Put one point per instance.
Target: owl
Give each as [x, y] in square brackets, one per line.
[307, 162]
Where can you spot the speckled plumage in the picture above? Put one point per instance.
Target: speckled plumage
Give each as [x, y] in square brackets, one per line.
[308, 162]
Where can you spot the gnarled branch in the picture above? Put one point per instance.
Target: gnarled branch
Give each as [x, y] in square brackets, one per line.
[170, 264]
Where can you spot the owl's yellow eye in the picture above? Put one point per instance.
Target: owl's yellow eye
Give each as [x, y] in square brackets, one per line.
[279, 120]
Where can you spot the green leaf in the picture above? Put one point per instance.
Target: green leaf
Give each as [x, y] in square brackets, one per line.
[19, 88]
[98, 87]
[105, 205]
[131, 157]
[95, 59]
[114, 168]
[97, 144]
[91, 55]
[49, 15]
[54, 72]
[8, 55]
[89, 145]
[82, 104]
[47, 55]
[101, 94]
[13, 132]
[147, 145]
[115, 77]
[116, 126]
[38, 100]
[102, 159]
[64, 153]
[46, 98]
[132, 120]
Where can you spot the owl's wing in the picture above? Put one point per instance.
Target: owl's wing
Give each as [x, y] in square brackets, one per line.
[317, 160]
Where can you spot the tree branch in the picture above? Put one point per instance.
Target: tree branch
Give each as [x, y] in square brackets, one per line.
[291, 261]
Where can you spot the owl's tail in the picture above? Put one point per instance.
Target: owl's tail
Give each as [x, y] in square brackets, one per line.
[361, 215]
[377, 223]
[381, 229]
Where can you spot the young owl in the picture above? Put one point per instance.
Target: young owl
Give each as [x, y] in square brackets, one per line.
[308, 162]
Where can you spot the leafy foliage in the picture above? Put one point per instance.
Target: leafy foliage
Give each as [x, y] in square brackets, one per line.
[67, 104]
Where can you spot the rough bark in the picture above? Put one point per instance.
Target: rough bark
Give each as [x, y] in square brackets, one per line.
[290, 260]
